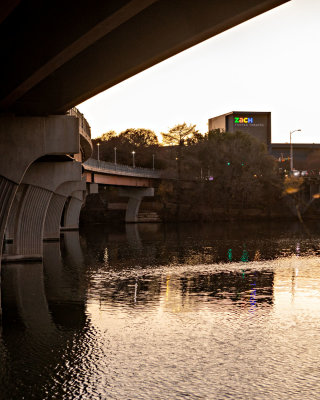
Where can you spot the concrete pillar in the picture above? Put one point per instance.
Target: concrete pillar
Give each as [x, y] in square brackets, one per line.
[22, 141]
[74, 254]
[133, 237]
[135, 197]
[72, 210]
[38, 186]
[55, 209]
[92, 188]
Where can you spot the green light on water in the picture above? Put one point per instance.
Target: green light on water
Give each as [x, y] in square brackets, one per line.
[245, 256]
[230, 254]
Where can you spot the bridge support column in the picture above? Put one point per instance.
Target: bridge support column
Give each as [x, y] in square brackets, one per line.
[72, 210]
[38, 185]
[22, 141]
[135, 197]
[56, 206]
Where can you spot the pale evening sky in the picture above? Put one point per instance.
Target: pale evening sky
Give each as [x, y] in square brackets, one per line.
[269, 63]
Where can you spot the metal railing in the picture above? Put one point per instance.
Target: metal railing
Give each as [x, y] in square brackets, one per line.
[83, 123]
[119, 169]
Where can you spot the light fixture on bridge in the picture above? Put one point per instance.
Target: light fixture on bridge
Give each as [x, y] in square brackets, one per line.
[115, 156]
[133, 163]
[291, 149]
[98, 144]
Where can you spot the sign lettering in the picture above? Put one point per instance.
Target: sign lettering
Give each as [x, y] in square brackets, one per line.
[243, 120]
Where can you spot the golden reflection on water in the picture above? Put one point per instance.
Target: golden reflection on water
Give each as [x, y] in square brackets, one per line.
[297, 285]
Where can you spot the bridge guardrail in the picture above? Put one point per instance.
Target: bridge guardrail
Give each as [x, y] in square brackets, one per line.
[94, 165]
[83, 123]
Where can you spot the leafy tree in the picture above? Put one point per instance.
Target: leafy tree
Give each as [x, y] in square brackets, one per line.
[180, 134]
[139, 137]
[236, 171]
[143, 141]
[108, 136]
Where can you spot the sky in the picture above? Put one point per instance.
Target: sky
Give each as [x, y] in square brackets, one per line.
[269, 63]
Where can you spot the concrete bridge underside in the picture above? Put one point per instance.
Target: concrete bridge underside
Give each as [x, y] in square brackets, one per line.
[58, 54]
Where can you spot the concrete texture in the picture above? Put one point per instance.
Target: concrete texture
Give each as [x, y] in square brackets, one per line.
[38, 186]
[22, 141]
[56, 206]
[135, 197]
[72, 210]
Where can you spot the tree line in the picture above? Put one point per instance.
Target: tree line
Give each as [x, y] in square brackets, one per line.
[216, 170]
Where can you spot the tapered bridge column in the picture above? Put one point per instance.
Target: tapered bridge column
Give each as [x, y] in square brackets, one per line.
[72, 210]
[56, 206]
[37, 188]
[22, 141]
[135, 197]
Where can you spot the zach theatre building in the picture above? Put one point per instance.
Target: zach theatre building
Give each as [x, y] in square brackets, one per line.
[256, 124]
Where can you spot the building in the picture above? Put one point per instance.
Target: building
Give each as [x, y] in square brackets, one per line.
[256, 124]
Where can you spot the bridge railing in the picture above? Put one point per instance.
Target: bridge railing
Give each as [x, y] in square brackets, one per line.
[83, 123]
[119, 169]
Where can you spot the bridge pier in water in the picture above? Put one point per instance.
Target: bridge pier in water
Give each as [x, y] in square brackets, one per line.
[23, 140]
[38, 187]
[72, 210]
[57, 204]
[135, 196]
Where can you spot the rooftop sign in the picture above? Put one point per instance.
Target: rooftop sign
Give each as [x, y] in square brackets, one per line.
[243, 120]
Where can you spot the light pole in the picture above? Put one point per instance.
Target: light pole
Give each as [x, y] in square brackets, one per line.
[133, 164]
[98, 144]
[115, 156]
[291, 149]
[153, 161]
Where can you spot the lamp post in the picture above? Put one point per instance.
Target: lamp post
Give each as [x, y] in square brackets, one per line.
[133, 164]
[98, 144]
[153, 161]
[115, 156]
[291, 149]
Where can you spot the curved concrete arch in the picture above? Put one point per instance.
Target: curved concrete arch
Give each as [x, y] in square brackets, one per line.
[72, 210]
[39, 183]
[55, 209]
[135, 197]
[22, 141]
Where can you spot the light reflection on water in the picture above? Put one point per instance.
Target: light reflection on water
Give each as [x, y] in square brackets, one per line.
[166, 313]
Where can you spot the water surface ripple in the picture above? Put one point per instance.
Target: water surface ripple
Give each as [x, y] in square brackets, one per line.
[166, 312]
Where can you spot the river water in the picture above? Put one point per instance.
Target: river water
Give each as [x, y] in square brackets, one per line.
[225, 311]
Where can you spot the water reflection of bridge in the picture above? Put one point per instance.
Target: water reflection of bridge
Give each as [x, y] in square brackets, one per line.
[53, 310]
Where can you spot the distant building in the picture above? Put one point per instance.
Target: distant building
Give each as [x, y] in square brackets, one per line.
[256, 124]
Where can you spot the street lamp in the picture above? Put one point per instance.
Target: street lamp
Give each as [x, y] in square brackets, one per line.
[98, 144]
[115, 156]
[153, 161]
[291, 149]
[133, 164]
